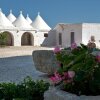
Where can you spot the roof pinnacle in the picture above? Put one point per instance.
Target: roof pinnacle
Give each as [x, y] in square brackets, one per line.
[20, 12]
[27, 15]
[0, 10]
[38, 13]
[10, 10]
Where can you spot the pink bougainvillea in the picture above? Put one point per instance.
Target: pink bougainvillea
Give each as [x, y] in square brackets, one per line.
[56, 49]
[71, 74]
[56, 78]
[66, 77]
[73, 45]
[98, 58]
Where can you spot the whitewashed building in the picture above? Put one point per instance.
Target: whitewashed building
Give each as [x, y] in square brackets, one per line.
[23, 31]
[66, 34]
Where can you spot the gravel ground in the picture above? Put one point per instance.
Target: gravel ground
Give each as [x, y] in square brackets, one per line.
[16, 63]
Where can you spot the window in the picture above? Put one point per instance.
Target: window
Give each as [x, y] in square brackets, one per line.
[60, 39]
[45, 34]
[72, 37]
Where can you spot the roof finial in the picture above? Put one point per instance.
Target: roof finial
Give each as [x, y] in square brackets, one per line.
[0, 10]
[10, 10]
[38, 13]
[20, 12]
[27, 15]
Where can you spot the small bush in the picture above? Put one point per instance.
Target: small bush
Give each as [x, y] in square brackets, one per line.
[26, 90]
[80, 70]
[3, 39]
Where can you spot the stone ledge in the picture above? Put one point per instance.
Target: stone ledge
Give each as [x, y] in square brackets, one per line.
[56, 94]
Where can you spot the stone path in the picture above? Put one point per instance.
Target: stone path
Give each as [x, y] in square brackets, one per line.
[16, 63]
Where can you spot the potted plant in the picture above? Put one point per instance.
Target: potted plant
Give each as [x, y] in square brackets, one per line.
[78, 74]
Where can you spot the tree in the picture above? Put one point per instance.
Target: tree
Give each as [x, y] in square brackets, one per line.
[3, 38]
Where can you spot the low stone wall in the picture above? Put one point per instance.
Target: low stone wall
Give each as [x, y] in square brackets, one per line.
[45, 61]
[56, 94]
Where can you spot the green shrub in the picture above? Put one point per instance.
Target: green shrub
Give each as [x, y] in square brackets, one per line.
[3, 39]
[26, 90]
[7, 91]
[32, 89]
[80, 70]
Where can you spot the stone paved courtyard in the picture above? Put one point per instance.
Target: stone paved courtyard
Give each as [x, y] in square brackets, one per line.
[16, 63]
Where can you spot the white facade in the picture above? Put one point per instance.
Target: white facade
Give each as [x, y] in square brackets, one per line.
[23, 31]
[20, 32]
[89, 30]
[51, 39]
[81, 33]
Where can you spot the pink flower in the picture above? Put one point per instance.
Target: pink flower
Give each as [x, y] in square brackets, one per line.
[53, 79]
[57, 74]
[56, 49]
[68, 75]
[73, 45]
[98, 57]
[71, 74]
[56, 78]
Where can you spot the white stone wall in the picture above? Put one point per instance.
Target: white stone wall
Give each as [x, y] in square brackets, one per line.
[40, 38]
[14, 36]
[89, 30]
[58, 94]
[51, 39]
[32, 33]
[58, 30]
[83, 32]
[66, 36]
[18, 36]
[77, 29]
[37, 37]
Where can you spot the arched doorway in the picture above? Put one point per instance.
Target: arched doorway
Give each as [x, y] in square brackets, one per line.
[6, 38]
[27, 39]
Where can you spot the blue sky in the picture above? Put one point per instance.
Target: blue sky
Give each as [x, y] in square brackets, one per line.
[56, 11]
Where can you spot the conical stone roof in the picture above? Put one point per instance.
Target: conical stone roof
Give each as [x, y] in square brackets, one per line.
[21, 22]
[28, 19]
[11, 17]
[4, 22]
[40, 24]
